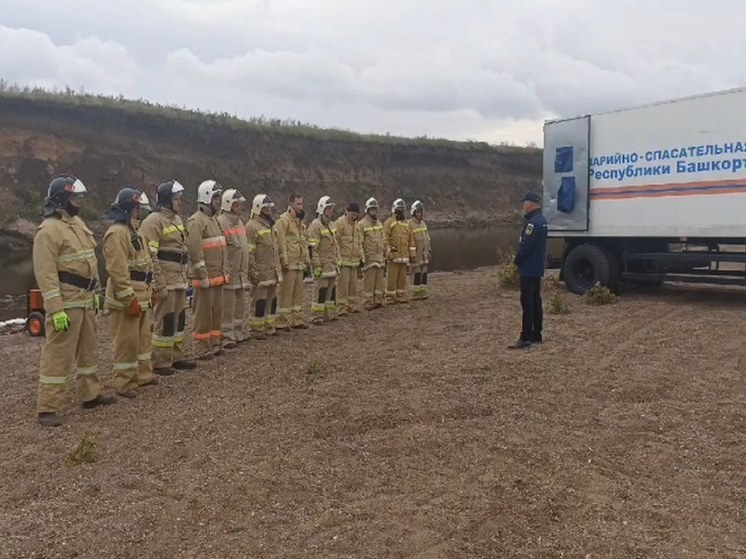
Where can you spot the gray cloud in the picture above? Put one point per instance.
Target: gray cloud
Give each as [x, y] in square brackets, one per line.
[476, 69]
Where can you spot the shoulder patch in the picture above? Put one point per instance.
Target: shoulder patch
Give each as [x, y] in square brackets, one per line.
[529, 228]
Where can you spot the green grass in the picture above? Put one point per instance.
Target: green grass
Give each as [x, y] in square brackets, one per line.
[600, 295]
[86, 451]
[262, 124]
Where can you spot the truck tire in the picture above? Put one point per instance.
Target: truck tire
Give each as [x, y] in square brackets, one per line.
[614, 269]
[585, 266]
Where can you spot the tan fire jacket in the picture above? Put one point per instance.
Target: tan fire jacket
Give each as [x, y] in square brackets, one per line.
[323, 247]
[293, 242]
[400, 240]
[373, 242]
[264, 255]
[348, 238]
[421, 241]
[238, 250]
[64, 244]
[166, 237]
[207, 251]
[129, 265]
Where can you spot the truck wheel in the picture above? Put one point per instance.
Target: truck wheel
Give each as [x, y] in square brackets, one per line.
[35, 324]
[614, 269]
[584, 267]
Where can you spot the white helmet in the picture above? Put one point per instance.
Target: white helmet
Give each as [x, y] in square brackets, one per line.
[207, 191]
[416, 205]
[261, 201]
[324, 202]
[371, 203]
[231, 196]
[398, 204]
[144, 202]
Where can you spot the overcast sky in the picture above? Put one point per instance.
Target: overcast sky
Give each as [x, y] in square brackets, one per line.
[463, 69]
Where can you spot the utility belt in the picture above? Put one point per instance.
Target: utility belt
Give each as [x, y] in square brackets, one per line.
[136, 275]
[89, 284]
[178, 257]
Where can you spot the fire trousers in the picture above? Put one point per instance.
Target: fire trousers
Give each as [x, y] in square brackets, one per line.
[290, 301]
[324, 301]
[347, 290]
[263, 310]
[419, 282]
[234, 315]
[373, 287]
[168, 328]
[64, 352]
[208, 319]
[396, 283]
[131, 338]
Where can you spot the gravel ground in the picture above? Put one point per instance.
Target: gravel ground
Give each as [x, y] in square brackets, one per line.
[406, 432]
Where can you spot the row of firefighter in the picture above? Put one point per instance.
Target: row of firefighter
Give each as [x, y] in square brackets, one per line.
[247, 278]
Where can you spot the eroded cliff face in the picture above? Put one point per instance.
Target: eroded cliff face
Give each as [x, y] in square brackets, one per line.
[109, 148]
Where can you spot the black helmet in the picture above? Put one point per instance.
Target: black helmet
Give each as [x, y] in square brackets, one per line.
[61, 189]
[128, 198]
[166, 192]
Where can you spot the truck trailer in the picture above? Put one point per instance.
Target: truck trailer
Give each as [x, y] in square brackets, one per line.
[649, 194]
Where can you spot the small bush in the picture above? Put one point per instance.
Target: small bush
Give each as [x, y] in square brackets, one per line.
[507, 271]
[600, 295]
[86, 452]
[552, 283]
[316, 368]
[559, 304]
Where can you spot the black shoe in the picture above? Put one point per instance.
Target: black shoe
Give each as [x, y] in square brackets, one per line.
[519, 344]
[206, 357]
[130, 394]
[164, 371]
[50, 419]
[185, 365]
[537, 340]
[230, 345]
[99, 401]
[218, 353]
[151, 382]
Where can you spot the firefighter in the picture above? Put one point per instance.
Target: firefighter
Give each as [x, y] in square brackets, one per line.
[207, 252]
[234, 293]
[424, 252]
[324, 253]
[166, 237]
[402, 251]
[373, 249]
[350, 255]
[293, 243]
[67, 274]
[264, 267]
[128, 295]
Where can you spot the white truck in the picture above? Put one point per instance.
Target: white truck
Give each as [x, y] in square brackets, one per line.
[649, 194]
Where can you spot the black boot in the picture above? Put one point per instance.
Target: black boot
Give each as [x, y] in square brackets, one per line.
[99, 401]
[185, 365]
[520, 344]
[164, 371]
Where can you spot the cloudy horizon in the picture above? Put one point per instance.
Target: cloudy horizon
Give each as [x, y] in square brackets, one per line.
[481, 70]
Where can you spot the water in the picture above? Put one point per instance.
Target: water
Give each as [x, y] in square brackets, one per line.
[453, 249]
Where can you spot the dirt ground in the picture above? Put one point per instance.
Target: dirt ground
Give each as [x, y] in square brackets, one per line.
[409, 431]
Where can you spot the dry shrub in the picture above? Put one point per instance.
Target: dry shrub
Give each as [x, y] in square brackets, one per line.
[559, 304]
[600, 295]
[86, 451]
[507, 271]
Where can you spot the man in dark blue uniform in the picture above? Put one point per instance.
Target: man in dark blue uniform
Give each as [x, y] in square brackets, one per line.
[531, 260]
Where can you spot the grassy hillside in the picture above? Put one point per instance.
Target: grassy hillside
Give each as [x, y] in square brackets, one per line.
[111, 142]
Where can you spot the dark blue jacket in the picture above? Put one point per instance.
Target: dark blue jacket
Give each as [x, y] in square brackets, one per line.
[532, 252]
